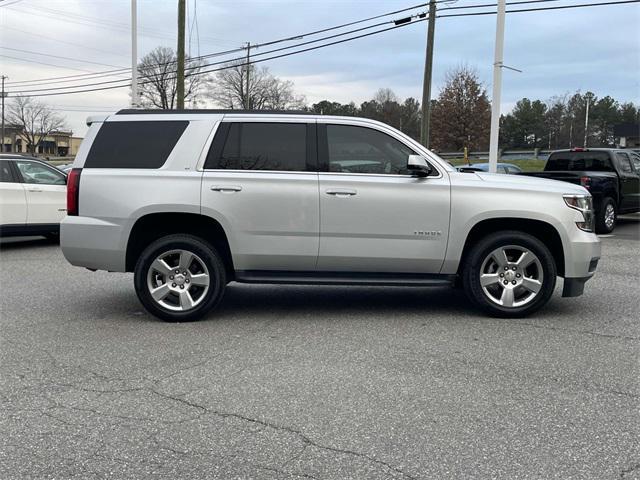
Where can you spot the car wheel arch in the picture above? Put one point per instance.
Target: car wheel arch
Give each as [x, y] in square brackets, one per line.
[540, 229]
[152, 226]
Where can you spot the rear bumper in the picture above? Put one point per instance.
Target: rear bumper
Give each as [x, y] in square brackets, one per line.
[92, 243]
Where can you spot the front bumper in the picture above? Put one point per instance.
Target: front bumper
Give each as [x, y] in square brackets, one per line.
[574, 287]
[580, 265]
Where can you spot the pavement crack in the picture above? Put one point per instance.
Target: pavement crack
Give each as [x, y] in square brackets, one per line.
[582, 332]
[629, 470]
[181, 400]
[282, 473]
[184, 369]
[305, 439]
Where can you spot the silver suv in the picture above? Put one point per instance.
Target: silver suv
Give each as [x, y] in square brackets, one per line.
[192, 200]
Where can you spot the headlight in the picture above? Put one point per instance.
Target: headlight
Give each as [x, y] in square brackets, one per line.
[584, 204]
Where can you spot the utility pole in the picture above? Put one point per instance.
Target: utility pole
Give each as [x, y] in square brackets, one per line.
[586, 123]
[497, 89]
[134, 54]
[247, 100]
[4, 77]
[425, 131]
[180, 80]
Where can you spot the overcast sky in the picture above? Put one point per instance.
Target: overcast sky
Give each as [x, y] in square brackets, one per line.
[560, 51]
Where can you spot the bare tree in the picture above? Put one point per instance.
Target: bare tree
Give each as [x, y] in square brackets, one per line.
[386, 95]
[36, 120]
[228, 89]
[157, 76]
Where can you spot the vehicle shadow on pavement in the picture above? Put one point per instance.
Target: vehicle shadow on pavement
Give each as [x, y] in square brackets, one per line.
[288, 300]
[15, 243]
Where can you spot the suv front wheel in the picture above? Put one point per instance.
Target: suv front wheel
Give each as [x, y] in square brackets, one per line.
[509, 274]
[179, 278]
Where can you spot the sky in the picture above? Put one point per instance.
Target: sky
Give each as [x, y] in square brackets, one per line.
[558, 51]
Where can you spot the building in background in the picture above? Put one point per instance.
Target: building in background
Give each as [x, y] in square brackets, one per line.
[627, 135]
[57, 144]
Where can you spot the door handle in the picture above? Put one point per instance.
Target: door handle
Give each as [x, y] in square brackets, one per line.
[226, 188]
[34, 190]
[341, 192]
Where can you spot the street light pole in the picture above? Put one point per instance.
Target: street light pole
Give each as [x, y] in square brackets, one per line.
[586, 123]
[497, 89]
[134, 54]
[4, 77]
[247, 100]
[426, 83]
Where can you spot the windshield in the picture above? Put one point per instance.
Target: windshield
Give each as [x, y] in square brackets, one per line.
[579, 161]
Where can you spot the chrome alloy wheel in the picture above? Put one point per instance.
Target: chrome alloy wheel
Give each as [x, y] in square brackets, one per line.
[178, 280]
[511, 276]
[609, 216]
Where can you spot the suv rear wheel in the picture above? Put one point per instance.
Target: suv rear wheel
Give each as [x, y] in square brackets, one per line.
[509, 274]
[179, 278]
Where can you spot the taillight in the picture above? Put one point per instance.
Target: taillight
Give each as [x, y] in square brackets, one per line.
[585, 182]
[73, 191]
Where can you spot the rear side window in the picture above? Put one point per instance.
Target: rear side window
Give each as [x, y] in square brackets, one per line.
[144, 144]
[579, 161]
[624, 162]
[5, 172]
[259, 146]
[34, 172]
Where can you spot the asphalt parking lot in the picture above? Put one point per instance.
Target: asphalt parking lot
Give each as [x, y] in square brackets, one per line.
[315, 382]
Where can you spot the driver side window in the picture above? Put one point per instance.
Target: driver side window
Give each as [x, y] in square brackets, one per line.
[354, 149]
[34, 172]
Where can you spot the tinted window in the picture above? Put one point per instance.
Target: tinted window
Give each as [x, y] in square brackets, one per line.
[260, 146]
[578, 161]
[34, 172]
[363, 150]
[134, 144]
[5, 172]
[624, 162]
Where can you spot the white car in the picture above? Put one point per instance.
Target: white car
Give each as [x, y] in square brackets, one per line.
[33, 197]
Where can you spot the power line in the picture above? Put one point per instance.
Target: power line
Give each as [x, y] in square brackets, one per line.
[264, 44]
[202, 72]
[232, 60]
[558, 7]
[77, 45]
[41, 63]
[59, 56]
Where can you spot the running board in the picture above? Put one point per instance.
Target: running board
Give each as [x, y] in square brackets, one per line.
[344, 278]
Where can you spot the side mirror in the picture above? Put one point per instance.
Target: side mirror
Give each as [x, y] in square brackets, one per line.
[419, 166]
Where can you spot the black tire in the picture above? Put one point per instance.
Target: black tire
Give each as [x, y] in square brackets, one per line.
[601, 216]
[203, 252]
[481, 251]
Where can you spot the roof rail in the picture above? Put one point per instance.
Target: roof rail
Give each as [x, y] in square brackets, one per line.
[130, 111]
